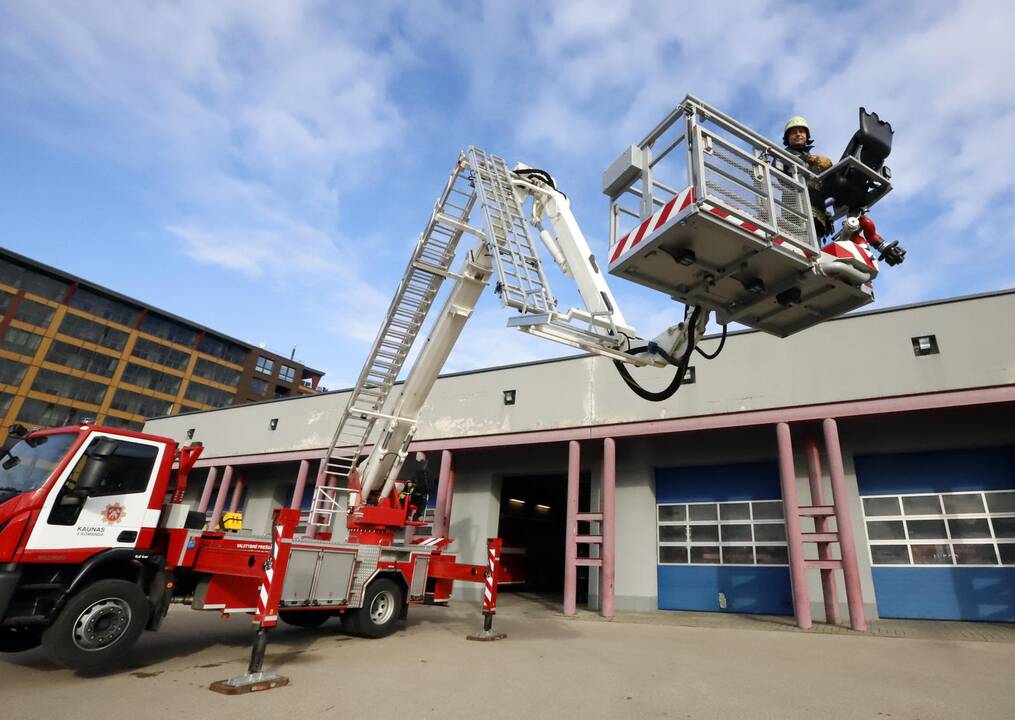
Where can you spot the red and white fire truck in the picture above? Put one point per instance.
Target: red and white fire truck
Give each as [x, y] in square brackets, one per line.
[95, 544]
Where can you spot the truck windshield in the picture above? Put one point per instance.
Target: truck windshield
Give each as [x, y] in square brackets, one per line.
[27, 465]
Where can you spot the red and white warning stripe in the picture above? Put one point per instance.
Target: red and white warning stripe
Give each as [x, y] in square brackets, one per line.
[489, 589]
[268, 620]
[752, 228]
[428, 541]
[854, 253]
[680, 202]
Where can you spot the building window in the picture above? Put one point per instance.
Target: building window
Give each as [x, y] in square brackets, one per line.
[747, 532]
[265, 365]
[34, 313]
[137, 404]
[104, 307]
[161, 354]
[210, 370]
[208, 395]
[5, 301]
[118, 422]
[79, 358]
[152, 379]
[259, 387]
[84, 329]
[959, 528]
[41, 413]
[168, 330]
[32, 281]
[5, 403]
[286, 373]
[20, 341]
[69, 387]
[12, 372]
[228, 351]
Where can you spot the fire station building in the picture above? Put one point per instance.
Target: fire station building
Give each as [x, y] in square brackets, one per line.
[869, 461]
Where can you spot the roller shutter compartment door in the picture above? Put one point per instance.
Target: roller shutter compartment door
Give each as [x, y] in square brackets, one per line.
[940, 532]
[721, 540]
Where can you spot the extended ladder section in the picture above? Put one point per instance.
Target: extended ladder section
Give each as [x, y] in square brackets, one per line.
[521, 283]
[429, 266]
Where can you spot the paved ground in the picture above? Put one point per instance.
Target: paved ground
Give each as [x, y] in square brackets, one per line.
[642, 665]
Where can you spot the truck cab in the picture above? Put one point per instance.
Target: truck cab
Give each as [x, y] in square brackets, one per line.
[79, 508]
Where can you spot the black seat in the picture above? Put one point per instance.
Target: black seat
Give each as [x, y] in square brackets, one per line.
[870, 145]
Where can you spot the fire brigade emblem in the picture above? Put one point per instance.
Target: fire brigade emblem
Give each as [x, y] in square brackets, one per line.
[114, 513]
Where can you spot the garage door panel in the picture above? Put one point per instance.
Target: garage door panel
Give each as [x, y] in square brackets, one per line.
[985, 594]
[939, 528]
[759, 590]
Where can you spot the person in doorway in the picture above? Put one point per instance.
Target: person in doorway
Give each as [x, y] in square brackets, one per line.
[796, 137]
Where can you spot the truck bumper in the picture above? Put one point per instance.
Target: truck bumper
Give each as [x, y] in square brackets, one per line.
[9, 579]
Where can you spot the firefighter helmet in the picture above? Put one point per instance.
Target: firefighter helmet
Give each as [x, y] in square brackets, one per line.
[794, 122]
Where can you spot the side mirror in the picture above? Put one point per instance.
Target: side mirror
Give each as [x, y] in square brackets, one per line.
[102, 448]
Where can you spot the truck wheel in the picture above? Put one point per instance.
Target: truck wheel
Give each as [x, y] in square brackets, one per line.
[97, 625]
[382, 603]
[14, 640]
[305, 618]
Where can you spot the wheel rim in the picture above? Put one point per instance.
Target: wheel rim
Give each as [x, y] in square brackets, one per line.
[101, 624]
[382, 607]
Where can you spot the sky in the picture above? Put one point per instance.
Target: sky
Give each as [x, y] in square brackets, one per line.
[264, 168]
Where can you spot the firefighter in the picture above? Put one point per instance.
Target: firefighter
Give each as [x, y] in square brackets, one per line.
[796, 137]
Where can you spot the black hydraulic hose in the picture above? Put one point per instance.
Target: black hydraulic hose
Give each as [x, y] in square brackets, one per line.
[713, 356]
[678, 377]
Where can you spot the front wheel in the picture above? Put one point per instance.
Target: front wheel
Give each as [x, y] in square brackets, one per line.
[97, 626]
[382, 603]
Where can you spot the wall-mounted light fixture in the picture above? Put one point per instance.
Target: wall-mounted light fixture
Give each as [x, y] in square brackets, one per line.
[273, 423]
[925, 345]
[509, 397]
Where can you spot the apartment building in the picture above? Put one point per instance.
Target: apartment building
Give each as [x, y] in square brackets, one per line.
[71, 349]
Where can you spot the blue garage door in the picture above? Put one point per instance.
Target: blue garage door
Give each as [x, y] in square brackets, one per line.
[941, 533]
[721, 540]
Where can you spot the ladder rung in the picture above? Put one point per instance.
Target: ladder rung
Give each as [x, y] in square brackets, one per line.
[588, 562]
[823, 564]
[589, 539]
[589, 517]
[820, 537]
[816, 510]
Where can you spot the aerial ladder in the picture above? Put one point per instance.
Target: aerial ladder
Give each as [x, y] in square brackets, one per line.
[720, 221]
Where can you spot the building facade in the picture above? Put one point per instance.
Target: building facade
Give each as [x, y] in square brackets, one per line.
[70, 350]
[701, 502]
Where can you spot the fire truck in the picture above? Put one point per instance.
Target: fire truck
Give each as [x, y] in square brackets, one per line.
[96, 541]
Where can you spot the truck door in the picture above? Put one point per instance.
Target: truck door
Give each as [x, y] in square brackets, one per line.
[101, 499]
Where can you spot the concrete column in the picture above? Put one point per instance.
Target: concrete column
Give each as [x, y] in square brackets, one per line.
[847, 545]
[442, 521]
[821, 526]
[209, 485]
[301, 483]
[571, 529]
[449, 498]
[609, 550]
[794, 540]
[220, 499]
[234, 503]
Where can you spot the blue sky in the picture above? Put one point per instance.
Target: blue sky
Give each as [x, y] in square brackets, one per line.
[264, 167]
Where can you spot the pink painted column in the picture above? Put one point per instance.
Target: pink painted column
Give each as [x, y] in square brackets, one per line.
[791, 510]
[571, 529]
[821, 526]
[301, 483]
[847, 546]
[609, 554]
[209, 485]
[234, 503]
[449, 498]
[220, 499]
[441, 521]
